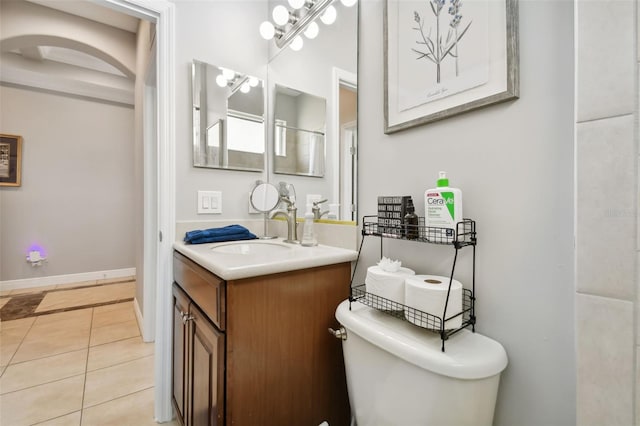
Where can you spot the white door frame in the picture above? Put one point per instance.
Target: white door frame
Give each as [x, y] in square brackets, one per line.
[339, 78]
[162, 13]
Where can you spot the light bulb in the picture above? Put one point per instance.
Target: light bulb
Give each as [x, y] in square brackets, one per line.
[280, 15]
[297, 43]
[267, 30]
[329, 15]
[312, 30]
[349, 3]
[253, 81]
[228, 74]
[221, 81]
[296, 4]
[244, 88]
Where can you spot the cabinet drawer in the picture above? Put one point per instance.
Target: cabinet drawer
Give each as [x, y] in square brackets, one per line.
[204, 288]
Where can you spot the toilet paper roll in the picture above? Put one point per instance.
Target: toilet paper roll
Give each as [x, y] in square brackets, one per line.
[389, 285]
[428, 293]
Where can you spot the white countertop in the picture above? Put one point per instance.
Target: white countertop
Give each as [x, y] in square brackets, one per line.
[233, 266]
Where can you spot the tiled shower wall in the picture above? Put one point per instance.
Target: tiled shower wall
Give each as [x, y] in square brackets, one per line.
[607, 245]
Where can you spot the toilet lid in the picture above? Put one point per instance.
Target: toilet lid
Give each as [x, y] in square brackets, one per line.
[467, 355]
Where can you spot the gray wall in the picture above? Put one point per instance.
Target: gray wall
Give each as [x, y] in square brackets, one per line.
[76, 198]
[514, 164]
[214, 32]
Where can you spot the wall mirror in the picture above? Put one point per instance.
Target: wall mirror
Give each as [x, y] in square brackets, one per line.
[228, 118]
[299, 133]
[325, 67]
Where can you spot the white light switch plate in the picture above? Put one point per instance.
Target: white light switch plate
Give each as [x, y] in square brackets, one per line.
[209, 202]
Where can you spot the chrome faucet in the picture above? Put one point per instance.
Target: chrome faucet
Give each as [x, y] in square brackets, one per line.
[292, 221]
[316, 209]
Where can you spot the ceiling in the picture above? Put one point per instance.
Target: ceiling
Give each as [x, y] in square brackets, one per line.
[70, 71]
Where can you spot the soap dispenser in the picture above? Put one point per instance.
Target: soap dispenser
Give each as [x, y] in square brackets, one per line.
[308, 233]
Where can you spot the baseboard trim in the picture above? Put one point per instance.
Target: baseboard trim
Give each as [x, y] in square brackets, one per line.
[66, 279]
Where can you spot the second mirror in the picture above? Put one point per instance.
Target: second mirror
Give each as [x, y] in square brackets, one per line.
[299, 133]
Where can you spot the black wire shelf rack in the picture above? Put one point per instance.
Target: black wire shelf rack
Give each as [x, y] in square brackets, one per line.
[463, 235]
[417, 317]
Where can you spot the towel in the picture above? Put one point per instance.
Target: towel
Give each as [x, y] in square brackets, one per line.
[217, 235]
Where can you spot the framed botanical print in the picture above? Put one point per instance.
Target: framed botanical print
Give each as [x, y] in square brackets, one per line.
[446, 57]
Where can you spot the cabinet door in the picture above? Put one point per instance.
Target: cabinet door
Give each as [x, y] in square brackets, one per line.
[283, 366]
[206, 371]
[180, 313]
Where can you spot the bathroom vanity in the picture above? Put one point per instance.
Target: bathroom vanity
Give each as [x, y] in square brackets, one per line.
[251, 343]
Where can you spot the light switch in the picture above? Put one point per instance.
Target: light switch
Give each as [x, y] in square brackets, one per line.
[216, 202]
[209, 202]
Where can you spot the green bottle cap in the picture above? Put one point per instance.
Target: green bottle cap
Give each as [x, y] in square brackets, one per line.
[442, 179]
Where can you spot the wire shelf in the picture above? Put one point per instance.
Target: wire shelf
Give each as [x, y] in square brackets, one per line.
[463, 235]
[417, 317]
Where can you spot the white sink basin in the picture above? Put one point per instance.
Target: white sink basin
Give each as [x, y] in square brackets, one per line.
[251, 248]
[253, 258]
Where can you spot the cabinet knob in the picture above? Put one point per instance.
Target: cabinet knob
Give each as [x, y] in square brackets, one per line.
[340, 333]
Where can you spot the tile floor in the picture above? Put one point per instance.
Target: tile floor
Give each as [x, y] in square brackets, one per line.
[74, 357]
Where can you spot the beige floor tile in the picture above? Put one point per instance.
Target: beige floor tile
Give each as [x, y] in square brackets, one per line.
[23, 323]
[2, 368]
[114, 332]
[76, 318]
[115, 313]
[12, 333]
[13, 327]
[44, 342]
[78, 284]
[17, 291]
[41, 403]
[72, 419]
[117, 352]
[113, 307]
[119, 380]
[116, 280]
[3, 301]
[135, 409]
[44, 370]
[5, 292]
[86, 296]
[65, 321]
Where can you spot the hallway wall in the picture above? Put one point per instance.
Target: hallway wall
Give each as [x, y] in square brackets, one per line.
[76, 198]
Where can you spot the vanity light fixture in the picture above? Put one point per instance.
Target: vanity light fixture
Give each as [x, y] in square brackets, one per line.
[236, 81]
[301, 19]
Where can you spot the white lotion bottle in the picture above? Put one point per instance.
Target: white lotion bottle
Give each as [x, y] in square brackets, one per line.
[442, 211]
[308, 233]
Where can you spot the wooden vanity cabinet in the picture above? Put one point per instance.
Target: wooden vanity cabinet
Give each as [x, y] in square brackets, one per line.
[198, 345]
[278, 364]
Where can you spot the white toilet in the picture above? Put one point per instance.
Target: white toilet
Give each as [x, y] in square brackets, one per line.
[398, 375]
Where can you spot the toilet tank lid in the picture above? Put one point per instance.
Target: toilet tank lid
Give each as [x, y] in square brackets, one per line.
[467, 355]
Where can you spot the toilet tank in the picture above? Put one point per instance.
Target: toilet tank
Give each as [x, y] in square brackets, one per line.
[398, 375]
